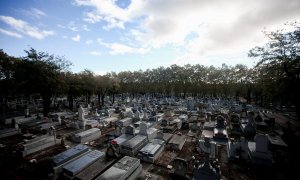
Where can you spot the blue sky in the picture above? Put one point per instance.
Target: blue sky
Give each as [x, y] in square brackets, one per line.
[119, 35]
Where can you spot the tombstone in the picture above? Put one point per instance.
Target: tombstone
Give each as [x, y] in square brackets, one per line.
[38, 117]
[180, 166]
[123, 107]
[137, 115]
[81, 113]
[261, 143]
[58, 118]
[194, 127]
[205, 170]
[96, 113]
[238, 149]
[244, 113]
[208, 116]
[221, 122]
[143, 129]
[160, 135]
[145, 117]
[130, 114]
[129, 130]
[164, 122]
[249, 130]
[118, 131]
[26, 112]
[82, 121]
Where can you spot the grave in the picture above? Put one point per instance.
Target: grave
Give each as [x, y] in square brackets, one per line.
[82, 121]
[88, 135]
[258, 150]
[179, 169]
[151, 133]
[205, 170]
[238, 149]
[125, 168]
[220, 131]
[74, 167]
[38, 144]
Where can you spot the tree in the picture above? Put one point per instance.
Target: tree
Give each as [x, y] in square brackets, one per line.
[7, 80]
[280, 62]
[41, 74]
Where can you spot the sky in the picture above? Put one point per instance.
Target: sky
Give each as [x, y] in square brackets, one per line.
[121, 35]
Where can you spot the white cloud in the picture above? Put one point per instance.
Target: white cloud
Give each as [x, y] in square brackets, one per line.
[92, 17]
[26, 29]
[76, 38]
[72, 26]
[88, 42]
[61, 26]
[85, 28]
[10, 33]
[117, 48]
[37, 12]
[201, 27]
[95, 53]
[34, 12]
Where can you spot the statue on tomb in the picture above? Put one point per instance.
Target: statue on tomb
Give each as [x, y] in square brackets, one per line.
[81, 113]
[82, 121]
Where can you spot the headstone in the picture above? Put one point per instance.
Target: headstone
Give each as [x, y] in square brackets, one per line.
[96, 113]
[82, 121]
[129, 130]
[220, 122]
[205, 170]
[160, 135]
[261, 143]
[26, 112]
[194, 127]
[143, 128]
[145, 115]
[164, 122]
[137, 114]
[130, 114]
[59, 119]
[80, 113]
[180, 166]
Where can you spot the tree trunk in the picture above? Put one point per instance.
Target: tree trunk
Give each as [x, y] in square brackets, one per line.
[99, 98]
[102, 99]
[46, 104]
[3, 109]
[297, 105]
[113, 100]
[71, 102]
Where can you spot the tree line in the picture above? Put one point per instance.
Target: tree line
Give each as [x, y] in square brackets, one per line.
[275, 78]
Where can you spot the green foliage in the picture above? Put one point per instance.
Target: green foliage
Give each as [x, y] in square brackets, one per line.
[278, 68]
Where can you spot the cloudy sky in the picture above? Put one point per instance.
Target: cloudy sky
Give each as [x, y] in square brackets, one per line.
[118, 35]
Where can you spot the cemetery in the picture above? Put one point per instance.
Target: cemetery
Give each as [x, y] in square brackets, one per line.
[131, 145]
